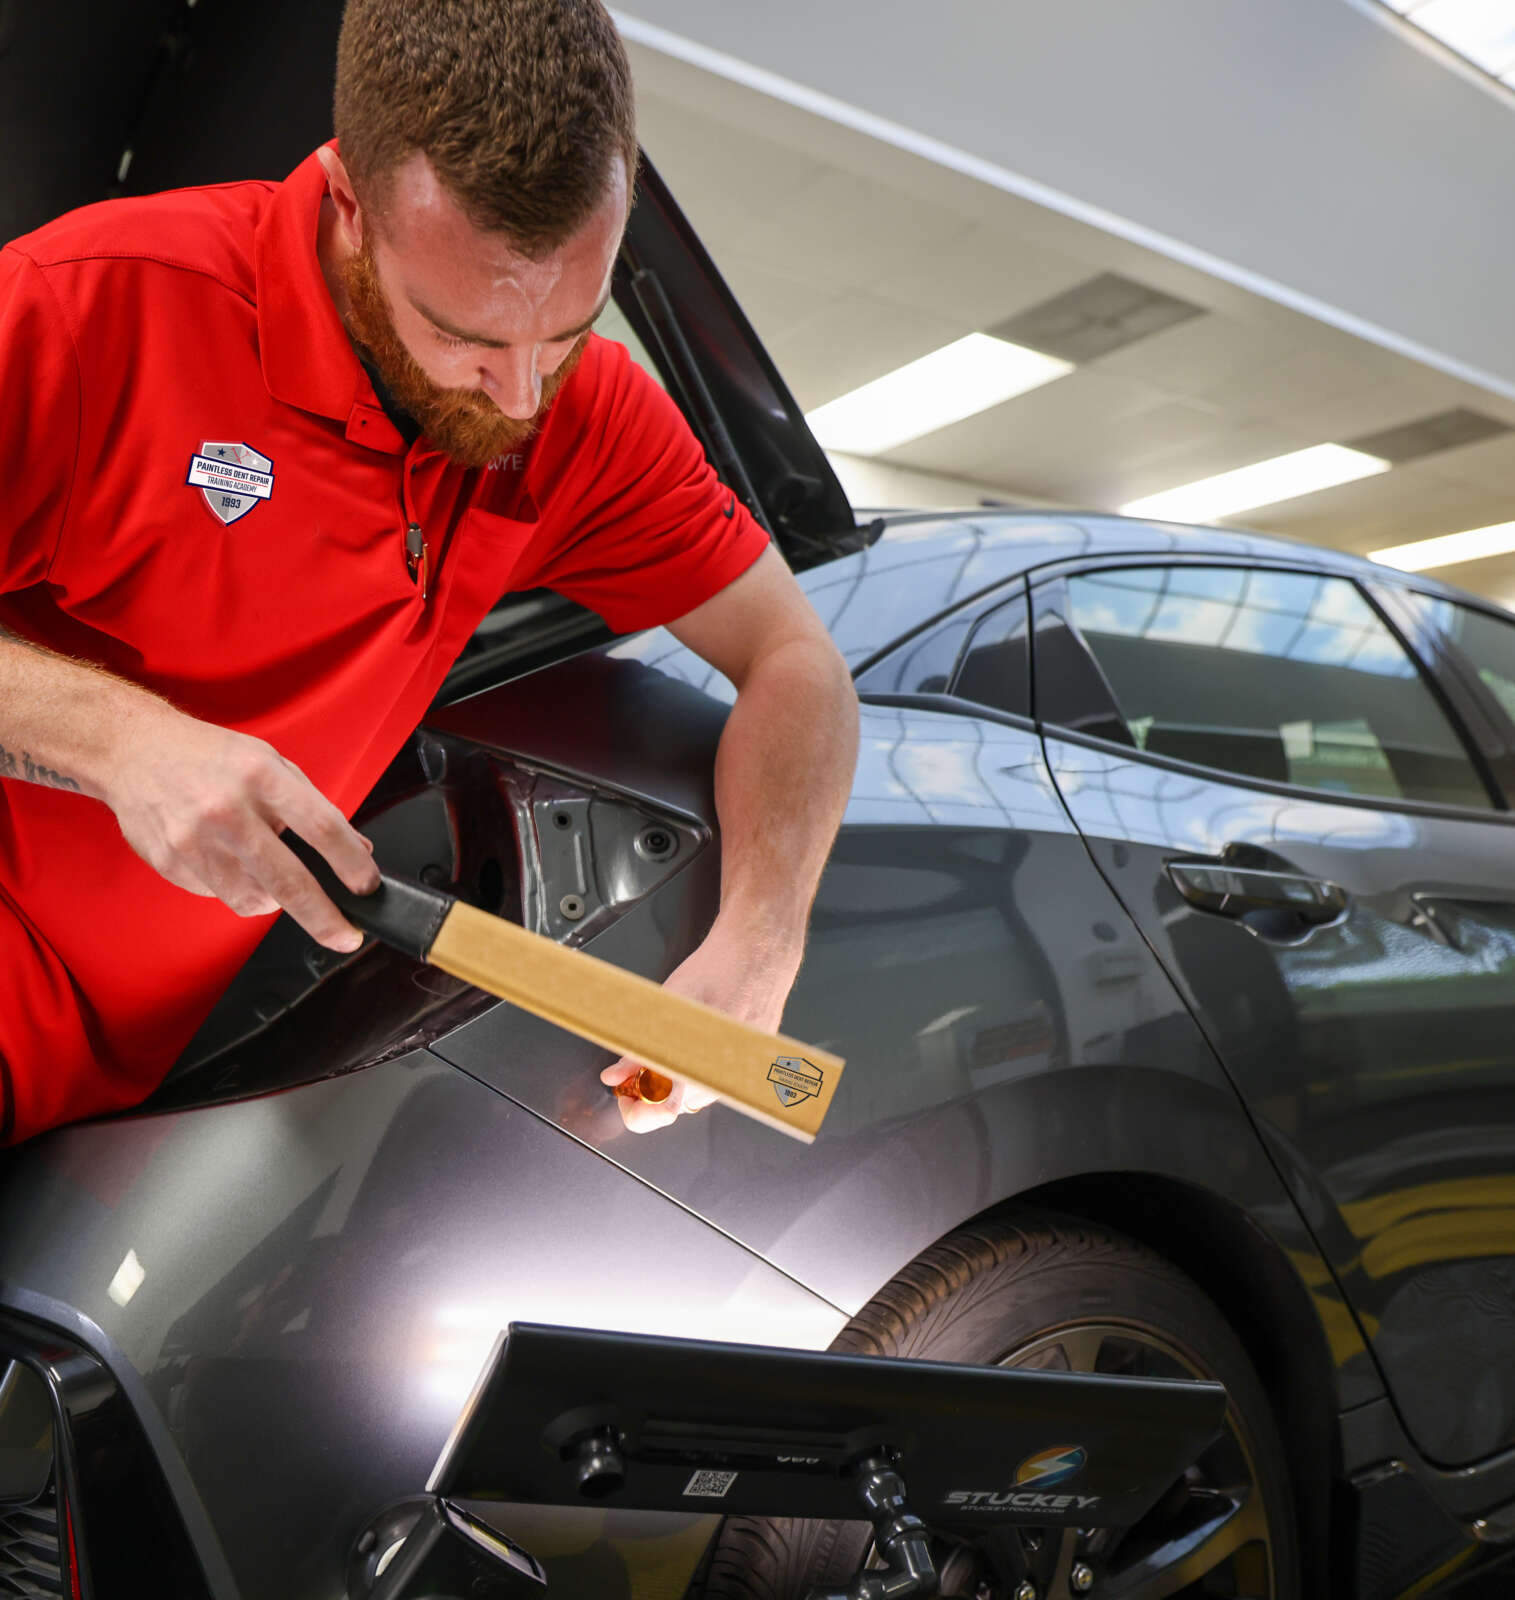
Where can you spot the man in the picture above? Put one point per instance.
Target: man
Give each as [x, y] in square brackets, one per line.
[270, 454]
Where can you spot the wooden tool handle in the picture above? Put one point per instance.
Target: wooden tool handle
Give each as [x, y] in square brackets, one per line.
[409, 916]
[778, 1080]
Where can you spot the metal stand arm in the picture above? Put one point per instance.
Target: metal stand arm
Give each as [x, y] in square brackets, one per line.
[898, 1535]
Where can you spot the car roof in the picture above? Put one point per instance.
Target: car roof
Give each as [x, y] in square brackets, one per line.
[924, 563]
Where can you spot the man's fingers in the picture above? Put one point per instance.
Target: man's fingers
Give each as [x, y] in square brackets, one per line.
[278, 873]
[644, 1116]
[325, 829]
[182, 878]
[227, 878]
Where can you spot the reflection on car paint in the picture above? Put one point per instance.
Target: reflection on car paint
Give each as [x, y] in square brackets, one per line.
[324, 1275]
[1375, 1051]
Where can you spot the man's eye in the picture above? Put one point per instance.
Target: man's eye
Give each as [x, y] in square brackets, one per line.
[448, 339]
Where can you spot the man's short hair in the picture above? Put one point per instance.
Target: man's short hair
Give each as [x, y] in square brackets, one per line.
[520, 106]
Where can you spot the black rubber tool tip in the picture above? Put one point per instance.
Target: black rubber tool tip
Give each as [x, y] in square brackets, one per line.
[401, 912]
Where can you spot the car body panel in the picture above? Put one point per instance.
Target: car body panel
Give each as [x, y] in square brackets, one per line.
[1373, 1050]
[1374, 1055]
[319, 1277]
[1023, 1034]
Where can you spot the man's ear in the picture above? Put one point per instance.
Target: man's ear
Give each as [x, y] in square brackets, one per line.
[344, 197]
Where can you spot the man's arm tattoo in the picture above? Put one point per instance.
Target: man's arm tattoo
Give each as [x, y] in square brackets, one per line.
[26, 768]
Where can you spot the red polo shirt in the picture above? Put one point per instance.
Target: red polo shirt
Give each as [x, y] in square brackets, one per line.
[200, 492]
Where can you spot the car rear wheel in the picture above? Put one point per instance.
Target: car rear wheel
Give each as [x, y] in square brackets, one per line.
[1046, 1291]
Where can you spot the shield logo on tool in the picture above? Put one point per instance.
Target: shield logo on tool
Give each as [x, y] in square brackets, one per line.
[233, 478]
[794, 1079]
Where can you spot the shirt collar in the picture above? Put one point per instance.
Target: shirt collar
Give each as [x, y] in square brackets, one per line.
[308, 360]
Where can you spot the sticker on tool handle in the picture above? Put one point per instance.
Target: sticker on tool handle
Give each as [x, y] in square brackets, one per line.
[794, 1079]
[709, 1485]
[232, 477]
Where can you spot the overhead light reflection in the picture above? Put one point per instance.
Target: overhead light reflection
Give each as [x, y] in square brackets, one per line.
[128, 1279]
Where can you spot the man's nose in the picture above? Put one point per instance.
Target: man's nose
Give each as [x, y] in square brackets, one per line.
[510, 378]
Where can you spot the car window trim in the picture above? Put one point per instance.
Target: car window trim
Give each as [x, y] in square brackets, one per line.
[952, 706]
[1497, 734]
[1050, 600]
[1425, 808]
[1499, 806]
[975, 627]
[1000, 587]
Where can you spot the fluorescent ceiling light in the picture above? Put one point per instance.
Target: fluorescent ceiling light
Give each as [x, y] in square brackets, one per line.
[1264, 483]
[1448, 549]
[954, 382]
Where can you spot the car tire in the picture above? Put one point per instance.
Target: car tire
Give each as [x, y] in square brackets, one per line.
[1028, 1290]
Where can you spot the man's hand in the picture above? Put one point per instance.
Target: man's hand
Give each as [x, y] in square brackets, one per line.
[726, 972]
[204, 806]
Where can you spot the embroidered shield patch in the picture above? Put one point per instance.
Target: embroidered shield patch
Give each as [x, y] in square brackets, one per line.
[232, 477]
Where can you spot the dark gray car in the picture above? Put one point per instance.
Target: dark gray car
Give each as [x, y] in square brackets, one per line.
[1169, 937]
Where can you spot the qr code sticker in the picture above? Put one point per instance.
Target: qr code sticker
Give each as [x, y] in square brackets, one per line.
[710, 1484]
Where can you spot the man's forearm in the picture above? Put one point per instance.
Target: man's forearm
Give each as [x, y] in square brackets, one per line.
[62, 721]
[783, 773]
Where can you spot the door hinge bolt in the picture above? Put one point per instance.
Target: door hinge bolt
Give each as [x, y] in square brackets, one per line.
[1082, 1578]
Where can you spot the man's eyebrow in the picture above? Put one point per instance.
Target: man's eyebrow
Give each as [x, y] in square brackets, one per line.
[503, 344]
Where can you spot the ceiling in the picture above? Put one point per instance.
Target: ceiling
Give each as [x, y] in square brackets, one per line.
[852, 258]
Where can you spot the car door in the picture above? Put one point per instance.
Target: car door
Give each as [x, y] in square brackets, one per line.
[1279, 793]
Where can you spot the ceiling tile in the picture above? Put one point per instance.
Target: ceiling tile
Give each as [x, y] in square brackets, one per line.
[853, 230]
[1430, 435]
[1393, 508]
[1489, 464]
[1104, 313]
[721, 177]
[1382, 404]
[776, 303]
[1109, 481]
[1280, 388]
[1198, 356]
[977, 273]
[1056, 419]
[851, 342]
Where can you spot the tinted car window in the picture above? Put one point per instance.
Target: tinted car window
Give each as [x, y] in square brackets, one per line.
[922, 665]
[1284, 676]
[996, 669]
[1488, 643]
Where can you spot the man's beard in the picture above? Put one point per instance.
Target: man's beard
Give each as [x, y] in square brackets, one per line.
[465, 424]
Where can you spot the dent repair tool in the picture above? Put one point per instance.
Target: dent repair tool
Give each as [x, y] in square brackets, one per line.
[777, 1080]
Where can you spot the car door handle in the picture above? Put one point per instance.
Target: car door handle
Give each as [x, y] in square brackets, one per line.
[1234, 891]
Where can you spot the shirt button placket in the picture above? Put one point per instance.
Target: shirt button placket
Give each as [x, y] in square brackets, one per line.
[417, 552]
